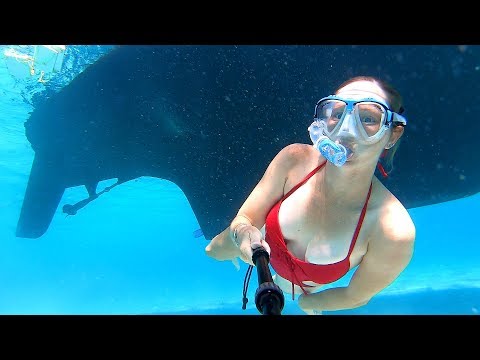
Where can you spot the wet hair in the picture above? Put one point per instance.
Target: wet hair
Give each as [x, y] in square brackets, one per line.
[394, 101]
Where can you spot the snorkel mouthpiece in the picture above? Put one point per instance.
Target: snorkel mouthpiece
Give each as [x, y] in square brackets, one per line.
[333, 152]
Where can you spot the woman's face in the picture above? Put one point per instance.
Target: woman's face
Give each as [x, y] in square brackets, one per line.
[348, 134]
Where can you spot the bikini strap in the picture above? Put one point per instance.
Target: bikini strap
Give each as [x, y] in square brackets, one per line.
[360, 221]
[310, 174]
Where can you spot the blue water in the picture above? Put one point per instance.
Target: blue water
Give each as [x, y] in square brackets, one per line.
[135, 252]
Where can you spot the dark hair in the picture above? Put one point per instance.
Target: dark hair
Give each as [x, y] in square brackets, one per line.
[394, 101]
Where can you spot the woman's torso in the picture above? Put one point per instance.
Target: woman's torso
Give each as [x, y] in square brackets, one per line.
[319, 231]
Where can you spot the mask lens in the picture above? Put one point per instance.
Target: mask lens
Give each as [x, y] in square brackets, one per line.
[331, 112]
[371, 117]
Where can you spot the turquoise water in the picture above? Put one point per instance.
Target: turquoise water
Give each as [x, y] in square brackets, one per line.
[133, 251]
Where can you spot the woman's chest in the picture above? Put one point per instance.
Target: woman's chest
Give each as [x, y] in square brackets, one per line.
[322, 234]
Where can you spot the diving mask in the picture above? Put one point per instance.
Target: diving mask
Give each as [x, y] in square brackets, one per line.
[365, 119]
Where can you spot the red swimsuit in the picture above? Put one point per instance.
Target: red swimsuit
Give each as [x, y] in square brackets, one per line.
[290, 267]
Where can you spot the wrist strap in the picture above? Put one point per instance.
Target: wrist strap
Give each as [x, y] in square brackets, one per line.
[235, 233]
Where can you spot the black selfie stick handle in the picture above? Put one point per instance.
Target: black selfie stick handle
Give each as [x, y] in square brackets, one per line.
[268, 297]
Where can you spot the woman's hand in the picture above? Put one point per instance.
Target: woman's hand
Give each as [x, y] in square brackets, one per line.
[222, 248]
[248, 238]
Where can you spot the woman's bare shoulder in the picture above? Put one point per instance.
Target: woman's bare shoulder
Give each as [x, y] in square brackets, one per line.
[298, 149]
[297, 153]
